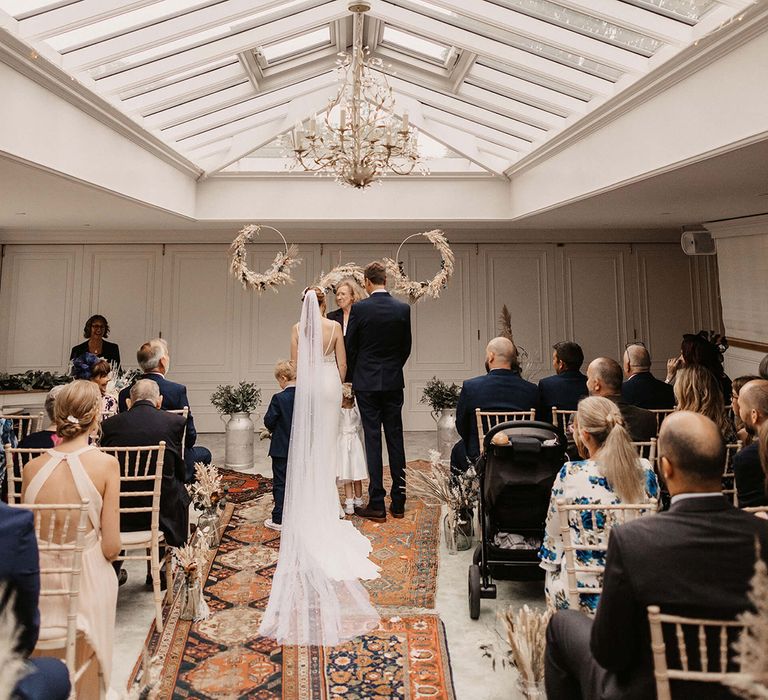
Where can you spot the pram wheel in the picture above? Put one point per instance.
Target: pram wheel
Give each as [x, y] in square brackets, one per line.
[477, 555]
[474, 591]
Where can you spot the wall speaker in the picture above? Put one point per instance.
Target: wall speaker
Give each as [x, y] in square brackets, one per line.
[697, 242]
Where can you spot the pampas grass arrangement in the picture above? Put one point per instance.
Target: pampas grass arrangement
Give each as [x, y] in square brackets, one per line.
[527, 639]
[191, 561]
[13, 666]
[207, 489]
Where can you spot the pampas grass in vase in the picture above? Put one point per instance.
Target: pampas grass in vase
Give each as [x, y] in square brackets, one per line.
[12, 665]
[526, 635]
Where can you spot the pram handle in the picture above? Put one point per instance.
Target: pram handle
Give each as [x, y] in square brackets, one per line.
[522, 424]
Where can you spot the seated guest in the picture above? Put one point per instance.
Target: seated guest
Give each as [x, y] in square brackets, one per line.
[45, 438]
[7, 437]
[20, 576]
[696, 349]
[501, 389]
[96, 330]
[611, 472]
[698, 390]
[750, 479]
[695, 560]
[154, 360]
[604, 378]
[640, 387]
[97, 370]
[763, 368]
[738, 424]
[564, 388]
[146, 424]
[73, 472]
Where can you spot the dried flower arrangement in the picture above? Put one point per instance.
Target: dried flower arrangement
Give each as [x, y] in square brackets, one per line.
[441, 486]
[751, 648]
[524, 362]
[146, 685]
[279, 273]
[207, 489]
[350, 271]
[440, 395]
[417, 290]
[228, 399]
[191, 560]
[13, 666]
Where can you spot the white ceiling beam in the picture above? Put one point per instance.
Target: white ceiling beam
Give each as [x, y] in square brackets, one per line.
[227, 46]
[163, 32]
[247, 142]
[491, 48]
[486, 133]
[512, 86]
[76, 15]
[637, 19]
[252, 69]
[468, 110]
[9, 23]
[341, 33]
[251, 107]
[510, 107]
[372, 33]
[716, 18]
[189, 88]
[460, 70]
[518, 23]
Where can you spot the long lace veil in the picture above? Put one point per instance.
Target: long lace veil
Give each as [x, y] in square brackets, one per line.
[317, 598]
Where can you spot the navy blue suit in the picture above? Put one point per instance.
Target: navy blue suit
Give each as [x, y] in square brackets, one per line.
[645, 391]
[750, 478]
[175, 398]
[20, 573]
[562, 391]
[278, 420]
[499, 390]
[336, 315]
[378, 343]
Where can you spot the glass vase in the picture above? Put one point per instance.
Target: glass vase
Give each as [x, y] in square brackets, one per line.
[464, 529]
[192, 605]
[208, 527]
[531, 690]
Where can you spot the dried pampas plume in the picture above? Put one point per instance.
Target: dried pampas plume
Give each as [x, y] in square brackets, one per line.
[505, 324]
[12, 665]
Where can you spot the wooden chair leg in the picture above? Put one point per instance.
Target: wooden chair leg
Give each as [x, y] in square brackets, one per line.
[168, 575]
[154, 564]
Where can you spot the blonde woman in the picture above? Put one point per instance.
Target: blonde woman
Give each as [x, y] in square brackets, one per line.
[610, 473]
[698, 390]
[347, 293]
[70, 473]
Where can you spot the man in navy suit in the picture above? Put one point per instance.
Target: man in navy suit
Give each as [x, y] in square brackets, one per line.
[378, 342]
[567, 386]
[501, 389]
[20, 576]
[640, 387]
[278, 420]
[154, 360]
[749, 474]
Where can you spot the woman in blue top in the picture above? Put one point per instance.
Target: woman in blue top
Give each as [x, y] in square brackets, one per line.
[610, 473]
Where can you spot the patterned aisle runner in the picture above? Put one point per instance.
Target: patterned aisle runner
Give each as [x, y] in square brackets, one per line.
[223, 657]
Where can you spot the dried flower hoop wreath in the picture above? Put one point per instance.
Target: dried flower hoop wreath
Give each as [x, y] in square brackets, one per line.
[278, 273]
[331, 280]
[417, 290]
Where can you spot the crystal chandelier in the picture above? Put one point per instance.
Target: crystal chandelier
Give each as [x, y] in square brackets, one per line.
[358, 138]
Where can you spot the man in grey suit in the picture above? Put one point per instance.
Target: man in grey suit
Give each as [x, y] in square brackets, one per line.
[694, 560]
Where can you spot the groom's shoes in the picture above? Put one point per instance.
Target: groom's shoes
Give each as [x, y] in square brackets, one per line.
[378, 516]
[397, 511]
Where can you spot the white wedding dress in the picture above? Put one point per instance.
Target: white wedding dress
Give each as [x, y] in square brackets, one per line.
[317, 598]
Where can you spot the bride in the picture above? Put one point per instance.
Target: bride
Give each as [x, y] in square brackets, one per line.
[317, 598]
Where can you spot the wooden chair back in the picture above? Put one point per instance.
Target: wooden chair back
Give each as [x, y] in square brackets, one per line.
[729, 479]
[24, 424]
[15, 460]
[185, 413]
[600, 519]
[702, 647]
[647, 450]
[61, 530]
[488, 419]
[661, 414]
[757, 510]
[562, 418]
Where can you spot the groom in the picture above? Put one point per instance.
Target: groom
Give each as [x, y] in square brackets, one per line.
[378, 343]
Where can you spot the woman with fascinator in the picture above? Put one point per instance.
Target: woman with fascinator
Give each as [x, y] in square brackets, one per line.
[317, 598]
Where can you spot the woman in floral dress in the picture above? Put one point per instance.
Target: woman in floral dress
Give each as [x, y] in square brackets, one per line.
[610, 473]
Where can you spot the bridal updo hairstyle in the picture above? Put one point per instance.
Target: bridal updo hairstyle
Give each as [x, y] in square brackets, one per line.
[320, 294]
[618, 461]
[77, 409]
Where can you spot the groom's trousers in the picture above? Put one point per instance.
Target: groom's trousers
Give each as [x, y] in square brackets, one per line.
[383, 409]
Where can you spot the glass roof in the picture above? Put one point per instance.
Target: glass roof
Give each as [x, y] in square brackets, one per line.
[486, 82]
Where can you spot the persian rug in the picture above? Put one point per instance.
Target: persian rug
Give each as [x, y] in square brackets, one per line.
[244, 487]
[223, 657]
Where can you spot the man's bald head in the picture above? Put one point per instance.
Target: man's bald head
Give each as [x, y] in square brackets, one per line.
[636, 359]
[604, 377]
[694, 446]
[500, 353]
[753, 404]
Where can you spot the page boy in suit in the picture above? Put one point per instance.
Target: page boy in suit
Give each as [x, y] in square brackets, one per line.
[277, 420]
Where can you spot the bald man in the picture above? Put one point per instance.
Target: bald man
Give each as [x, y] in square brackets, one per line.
[695, 560]
[604, 378]
[750, 477]
[640, 387]
[500, 389]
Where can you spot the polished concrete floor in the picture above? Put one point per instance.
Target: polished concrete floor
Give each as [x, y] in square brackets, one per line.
[473, 676]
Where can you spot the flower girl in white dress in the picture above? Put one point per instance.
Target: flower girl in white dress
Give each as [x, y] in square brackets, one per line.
[352, 467]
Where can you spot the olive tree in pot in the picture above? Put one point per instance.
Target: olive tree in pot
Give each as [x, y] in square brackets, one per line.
[237, 403]
[442, 399]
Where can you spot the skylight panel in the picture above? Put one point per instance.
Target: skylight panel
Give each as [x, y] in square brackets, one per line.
[296, 45]
[411, 43]
[536, 79]
[584, 24]
[19, 8]
[689, 11]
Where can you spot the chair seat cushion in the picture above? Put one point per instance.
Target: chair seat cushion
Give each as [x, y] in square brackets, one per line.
[51, 633]
[128, 539]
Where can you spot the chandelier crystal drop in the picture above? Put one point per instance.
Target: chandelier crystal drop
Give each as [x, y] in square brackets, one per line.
[358, 138]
